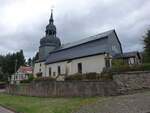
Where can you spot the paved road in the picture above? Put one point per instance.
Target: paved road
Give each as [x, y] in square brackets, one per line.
[136, 103]
[3, 110]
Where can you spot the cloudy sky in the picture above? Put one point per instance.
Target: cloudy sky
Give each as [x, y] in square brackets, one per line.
[22, 22]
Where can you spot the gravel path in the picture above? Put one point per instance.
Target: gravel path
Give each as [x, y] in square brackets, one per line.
[136, 103]
[2, 90]
[3, 110]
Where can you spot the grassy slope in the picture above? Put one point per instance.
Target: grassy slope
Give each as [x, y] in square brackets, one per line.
[45, 105]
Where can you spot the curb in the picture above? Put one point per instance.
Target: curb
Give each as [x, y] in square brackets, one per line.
[10, 109]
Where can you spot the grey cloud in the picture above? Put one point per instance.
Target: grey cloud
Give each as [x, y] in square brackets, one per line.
[129, 18]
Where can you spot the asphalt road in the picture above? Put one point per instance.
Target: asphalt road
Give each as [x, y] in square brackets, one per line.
[135, 103]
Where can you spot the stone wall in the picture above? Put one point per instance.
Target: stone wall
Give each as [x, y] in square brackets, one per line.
[65, 89]
[130, 81]
[120, 84]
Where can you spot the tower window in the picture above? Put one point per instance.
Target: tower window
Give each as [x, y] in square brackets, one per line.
[59, 70]
[79, 67]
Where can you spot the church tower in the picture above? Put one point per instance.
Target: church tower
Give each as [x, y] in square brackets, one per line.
[50, 42]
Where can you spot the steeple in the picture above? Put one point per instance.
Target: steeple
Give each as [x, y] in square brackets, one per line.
[50, 28]
[50, 41]
[51, 21]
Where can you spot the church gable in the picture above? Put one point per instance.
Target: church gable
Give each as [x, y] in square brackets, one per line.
[114, 44]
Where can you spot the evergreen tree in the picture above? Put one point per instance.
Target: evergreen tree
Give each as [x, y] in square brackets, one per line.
[10, 63]
[29, 62]
[36, 57]
[147, 47]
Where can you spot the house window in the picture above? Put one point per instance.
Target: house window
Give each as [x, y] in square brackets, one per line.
[79, 67]
[40, 65]
[107, 63]
[59, 70]
[50, 71]
[40, 70]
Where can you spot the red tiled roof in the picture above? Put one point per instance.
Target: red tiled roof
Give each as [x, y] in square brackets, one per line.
[26, 68]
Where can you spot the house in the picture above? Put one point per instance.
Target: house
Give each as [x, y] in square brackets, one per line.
[130, 58]
[91, 54]
[22, 74]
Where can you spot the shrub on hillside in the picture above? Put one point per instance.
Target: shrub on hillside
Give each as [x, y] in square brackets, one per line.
[145, 67]
[30, 77]
[91, 76]
[106, 76]
[76, 76]
[25, 81]
[44, 79]
[128, 68]
[117, 62]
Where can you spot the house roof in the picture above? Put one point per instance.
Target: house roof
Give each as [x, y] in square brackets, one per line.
[128, 55]
[26, 68]
[90, 46]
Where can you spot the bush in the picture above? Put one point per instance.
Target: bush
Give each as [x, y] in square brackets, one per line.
[91, 76]
[44, 79]
[117, 62]
[76, 76]
[128, 68]
[106, 76]
[25, 81]
[145, 67]
[31, 78]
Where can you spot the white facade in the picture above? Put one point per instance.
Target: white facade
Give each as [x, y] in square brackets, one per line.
[22, 74]
[87, 64]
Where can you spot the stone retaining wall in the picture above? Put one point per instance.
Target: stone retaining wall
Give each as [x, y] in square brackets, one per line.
[132, 81]
[65, 89]
[120, 84]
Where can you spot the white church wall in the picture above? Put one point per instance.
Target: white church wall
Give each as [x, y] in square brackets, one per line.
[54, 68]
[89, 64]
[39, 67]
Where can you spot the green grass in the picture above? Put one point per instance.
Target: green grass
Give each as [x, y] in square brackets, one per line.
[46, 105]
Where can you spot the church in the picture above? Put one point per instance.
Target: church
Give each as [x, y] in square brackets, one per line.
[92, 54]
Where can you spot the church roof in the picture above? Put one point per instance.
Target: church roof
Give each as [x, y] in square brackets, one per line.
[86, 40]
[87, 47]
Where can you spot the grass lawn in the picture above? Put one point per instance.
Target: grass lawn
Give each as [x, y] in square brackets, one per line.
[46, 105]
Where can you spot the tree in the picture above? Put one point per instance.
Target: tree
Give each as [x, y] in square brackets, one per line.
[36, 57]
[29, 62]
[10, 63]
[147, 47]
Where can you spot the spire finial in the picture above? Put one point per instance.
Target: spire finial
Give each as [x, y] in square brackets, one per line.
[51, 18]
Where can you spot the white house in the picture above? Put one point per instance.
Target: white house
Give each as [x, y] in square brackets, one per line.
[21, 74]
[91, 54]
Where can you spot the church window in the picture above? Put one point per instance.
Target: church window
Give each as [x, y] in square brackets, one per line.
[54, 73]
[79, 67]
[40, 65]
[40, 70]
[50, 71]
[59, 70]
[107, 63]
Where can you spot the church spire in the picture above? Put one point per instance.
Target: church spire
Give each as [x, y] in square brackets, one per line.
[51, 21]
[50, 28]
